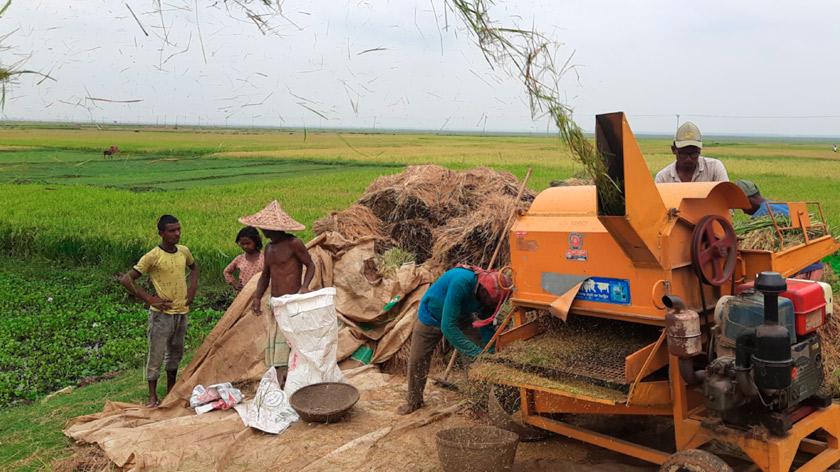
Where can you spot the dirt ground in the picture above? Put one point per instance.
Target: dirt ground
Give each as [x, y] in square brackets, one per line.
[371, 438]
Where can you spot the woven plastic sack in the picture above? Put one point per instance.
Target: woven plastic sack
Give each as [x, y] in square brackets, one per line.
[308, 322]
[270, 410]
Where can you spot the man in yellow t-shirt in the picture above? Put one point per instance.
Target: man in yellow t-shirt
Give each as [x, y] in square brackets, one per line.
[166, 266]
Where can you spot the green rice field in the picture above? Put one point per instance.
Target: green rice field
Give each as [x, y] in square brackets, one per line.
[64, 200]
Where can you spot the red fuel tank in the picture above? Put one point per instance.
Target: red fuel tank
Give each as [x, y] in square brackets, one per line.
[808, 299]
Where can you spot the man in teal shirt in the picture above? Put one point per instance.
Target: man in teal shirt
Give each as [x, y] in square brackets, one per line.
[446, 306]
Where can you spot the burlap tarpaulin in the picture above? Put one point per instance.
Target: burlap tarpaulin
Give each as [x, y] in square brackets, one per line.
[172, 437]
[363, 294]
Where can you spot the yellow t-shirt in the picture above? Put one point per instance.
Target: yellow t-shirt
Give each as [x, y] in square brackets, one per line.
[168, 273]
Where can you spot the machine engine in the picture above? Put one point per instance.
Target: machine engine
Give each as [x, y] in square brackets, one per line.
[764, 362]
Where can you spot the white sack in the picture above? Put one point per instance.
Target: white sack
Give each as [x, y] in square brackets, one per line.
[309, 324]
[269, 411]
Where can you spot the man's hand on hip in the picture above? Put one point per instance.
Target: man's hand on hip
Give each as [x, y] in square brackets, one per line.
[159, 303]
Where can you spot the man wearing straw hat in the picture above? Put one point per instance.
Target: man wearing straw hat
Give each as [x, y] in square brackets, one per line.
[446, 305]
[284, 260]
[689, 165]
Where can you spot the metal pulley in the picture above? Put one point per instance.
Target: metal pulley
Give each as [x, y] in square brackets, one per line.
[714, 256]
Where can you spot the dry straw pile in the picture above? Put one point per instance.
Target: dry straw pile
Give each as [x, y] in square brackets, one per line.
[442, 217]
[760, 234]
[831, 352]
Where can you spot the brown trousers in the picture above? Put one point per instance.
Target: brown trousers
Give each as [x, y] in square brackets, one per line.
[424, 339]
[166, 335]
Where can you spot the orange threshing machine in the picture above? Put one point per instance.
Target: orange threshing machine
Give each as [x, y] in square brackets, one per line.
[725, 366]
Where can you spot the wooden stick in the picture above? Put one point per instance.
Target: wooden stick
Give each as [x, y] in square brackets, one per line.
[450, 365]
[645, 365]
[499, 331]
[510, 219]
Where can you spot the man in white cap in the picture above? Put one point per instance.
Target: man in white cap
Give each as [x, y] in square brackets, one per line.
[689, 165]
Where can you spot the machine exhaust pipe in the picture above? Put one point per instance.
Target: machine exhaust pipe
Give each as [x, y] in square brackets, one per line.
[682, 327]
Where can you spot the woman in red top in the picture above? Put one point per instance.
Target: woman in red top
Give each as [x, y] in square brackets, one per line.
[248, 264]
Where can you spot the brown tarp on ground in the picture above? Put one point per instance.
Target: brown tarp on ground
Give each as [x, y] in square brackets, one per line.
[234, 352]
[174, 438]
[371, 438]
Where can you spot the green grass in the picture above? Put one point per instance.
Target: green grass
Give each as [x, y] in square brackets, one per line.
[68, 202]
[31, 436]
[59, 324]
[113, 227]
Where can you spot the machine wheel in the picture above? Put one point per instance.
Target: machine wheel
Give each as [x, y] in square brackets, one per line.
[694, 460]
[713, 256]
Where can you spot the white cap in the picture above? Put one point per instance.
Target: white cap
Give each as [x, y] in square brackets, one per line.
[688, 134]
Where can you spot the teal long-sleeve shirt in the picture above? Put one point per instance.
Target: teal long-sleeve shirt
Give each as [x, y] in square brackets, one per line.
[448, 303]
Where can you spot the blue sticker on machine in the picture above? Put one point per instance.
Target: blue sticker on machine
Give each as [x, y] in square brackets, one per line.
[605, 290]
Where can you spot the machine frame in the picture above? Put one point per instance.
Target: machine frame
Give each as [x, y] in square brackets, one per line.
[645, 245]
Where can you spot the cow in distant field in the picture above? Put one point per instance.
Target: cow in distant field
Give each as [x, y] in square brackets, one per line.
[110, 152]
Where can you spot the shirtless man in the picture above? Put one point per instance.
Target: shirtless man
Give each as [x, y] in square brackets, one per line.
[284, 260]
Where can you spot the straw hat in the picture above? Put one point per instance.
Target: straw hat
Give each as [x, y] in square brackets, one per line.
[272, 218]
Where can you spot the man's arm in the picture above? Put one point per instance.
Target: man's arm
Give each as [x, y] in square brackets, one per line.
[262, 285]
[127, 281]
[303, 256]
[193, 280]
[452, 313]
[722, 175]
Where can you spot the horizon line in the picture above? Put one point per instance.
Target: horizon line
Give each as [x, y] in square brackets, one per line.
[9, 123]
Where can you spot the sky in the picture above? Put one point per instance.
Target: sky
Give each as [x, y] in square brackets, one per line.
[746, 67]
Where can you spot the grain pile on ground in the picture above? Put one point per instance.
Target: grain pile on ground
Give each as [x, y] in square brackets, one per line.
[443, 217]
[84, 459]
